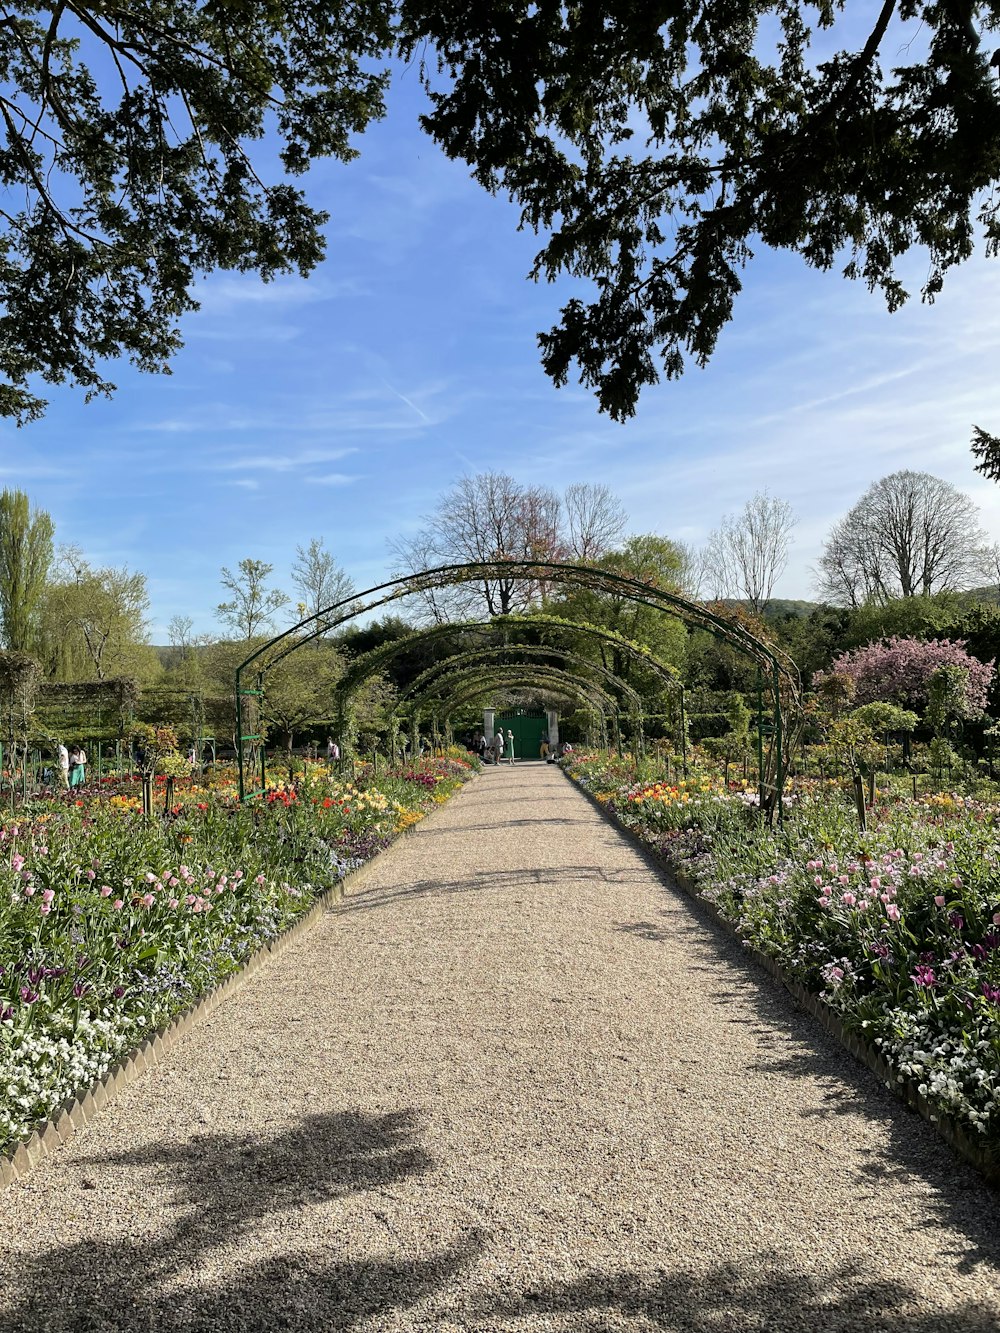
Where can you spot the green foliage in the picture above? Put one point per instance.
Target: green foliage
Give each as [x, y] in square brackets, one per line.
[25, 559]
[886, 718]
[253, 604]
[657, 146]
[986, 451]
[93, 623]
[127, 173]
[651, 559]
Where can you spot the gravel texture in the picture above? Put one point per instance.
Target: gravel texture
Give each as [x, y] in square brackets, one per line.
[514, 1081]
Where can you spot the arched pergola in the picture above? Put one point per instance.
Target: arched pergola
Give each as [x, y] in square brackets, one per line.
[477, 682]
[379, 659]
[461, 664]
[774, 668]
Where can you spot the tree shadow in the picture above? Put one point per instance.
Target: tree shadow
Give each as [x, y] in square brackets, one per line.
[793, 1044]
[224, 1187]
[376, 897]
[757, 1292]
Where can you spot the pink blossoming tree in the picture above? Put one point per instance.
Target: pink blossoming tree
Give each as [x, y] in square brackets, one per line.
[899, 671]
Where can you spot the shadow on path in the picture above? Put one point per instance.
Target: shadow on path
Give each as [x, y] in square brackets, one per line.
[792, 1044]
[371, 899]
[226, 1185]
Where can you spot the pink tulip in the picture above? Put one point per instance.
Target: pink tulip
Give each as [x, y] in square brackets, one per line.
[105, 890]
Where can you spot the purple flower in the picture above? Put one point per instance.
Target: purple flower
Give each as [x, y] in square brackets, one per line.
[79, 990]
[28, 996]
[6, 1014]
[924, 976]
[991, 993]
[956, 919]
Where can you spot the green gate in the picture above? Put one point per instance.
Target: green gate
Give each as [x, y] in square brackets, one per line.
[528, 729]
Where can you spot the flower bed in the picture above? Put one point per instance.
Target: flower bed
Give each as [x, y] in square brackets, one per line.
[897, 929]
[111, 923]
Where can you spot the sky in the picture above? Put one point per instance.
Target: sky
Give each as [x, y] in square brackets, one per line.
[343, 405]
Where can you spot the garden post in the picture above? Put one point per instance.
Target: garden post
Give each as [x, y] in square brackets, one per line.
[859, 801]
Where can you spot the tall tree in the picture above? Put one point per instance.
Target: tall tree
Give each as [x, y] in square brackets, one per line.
[318, 578]
[595, 520]
[651, 559]
[986, 450]
[910, 534]
[253, 605]
[25, 560]
[489, 517]
[94, 621]
[755, 128]
[748, 552]
[484, 518]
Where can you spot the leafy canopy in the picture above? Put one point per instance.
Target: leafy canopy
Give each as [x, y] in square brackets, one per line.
[654, 143]
[657, 142]
[124, 156]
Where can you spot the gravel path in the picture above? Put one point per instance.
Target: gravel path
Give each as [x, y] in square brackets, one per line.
[514, 1082]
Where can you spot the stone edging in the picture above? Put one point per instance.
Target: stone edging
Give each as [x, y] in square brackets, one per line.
[949, 1129]
[83, 1106]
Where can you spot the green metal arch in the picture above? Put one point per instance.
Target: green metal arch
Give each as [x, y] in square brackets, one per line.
[535, 674]
[528, 671]
[369, 663]
[775, 663]
[526, 676]
[464, 696]
[476, 655]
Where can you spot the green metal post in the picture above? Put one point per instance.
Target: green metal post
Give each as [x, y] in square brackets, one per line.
[684, 735]
[260, 732]
[779, 770]
[760, 741]
[239, 735]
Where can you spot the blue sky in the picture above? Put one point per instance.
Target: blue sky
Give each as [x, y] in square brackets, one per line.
[341, 406]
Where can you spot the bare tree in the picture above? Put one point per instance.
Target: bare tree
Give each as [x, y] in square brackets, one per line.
[595, 521]
[487, 517]
[692, 573]
[748, 552]
[254, 605]
[910, 534]
[318, 578]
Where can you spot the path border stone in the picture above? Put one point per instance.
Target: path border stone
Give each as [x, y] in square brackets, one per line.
[862, 1050]
[83, 1106]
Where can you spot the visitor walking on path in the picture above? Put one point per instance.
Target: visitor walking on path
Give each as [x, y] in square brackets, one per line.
[510, 746]
[77, 766]
[497, 746]
[62, 758]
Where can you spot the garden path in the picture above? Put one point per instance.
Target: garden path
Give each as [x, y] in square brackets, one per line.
[514, 1082]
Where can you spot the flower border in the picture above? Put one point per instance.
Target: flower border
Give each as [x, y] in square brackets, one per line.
[905, 1089]
[84, 1106]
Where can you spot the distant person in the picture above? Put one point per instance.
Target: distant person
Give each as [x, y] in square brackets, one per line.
[62, 763]
[77, 766]
[510, 746]
[481, 747]
[496, 746]
[543, 749]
